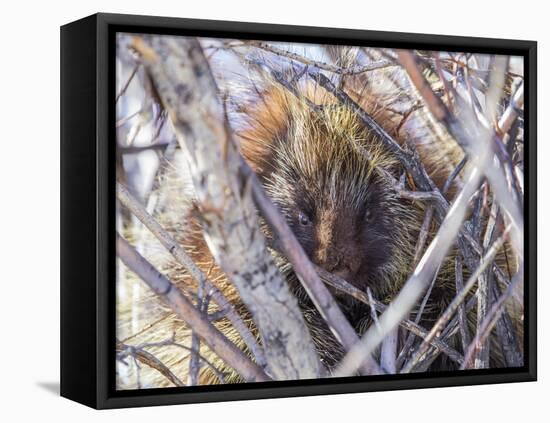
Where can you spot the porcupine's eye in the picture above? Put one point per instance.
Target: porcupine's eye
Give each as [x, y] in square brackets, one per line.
[303, 219]
[368, 216]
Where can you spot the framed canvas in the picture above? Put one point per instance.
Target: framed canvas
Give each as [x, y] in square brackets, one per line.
[257, 211]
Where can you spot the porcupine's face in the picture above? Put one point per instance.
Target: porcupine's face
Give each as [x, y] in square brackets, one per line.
[339, 208]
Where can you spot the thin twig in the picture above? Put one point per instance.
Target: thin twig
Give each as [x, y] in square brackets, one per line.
[410, 339]
[490, 319]
[484, 289]
[353, 70]
[450, 179]
[418, 195]
[125, 119]
[462, 318]
[128, 81]
[133, 149]
[373, 313]
[194, 363]
[447, 334]
[512, 112]
[423, 234]
[171, 342]
[149, 360]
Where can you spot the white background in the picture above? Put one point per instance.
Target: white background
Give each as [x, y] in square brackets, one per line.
[29, 166]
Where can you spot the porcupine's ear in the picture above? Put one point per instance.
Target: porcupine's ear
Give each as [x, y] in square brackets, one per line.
[268, 119]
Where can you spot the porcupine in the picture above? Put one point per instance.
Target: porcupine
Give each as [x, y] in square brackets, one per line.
[318, 162]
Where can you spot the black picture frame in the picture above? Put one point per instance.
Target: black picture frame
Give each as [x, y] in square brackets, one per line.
[88, 208]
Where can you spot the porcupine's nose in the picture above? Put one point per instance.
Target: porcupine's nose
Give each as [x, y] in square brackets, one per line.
[343, 262]
[335, 264]
[336, 250]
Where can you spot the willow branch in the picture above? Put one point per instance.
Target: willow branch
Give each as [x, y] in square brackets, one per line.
[194, 363]
[448, 333]
[409, 341]
[450, 179]
[388, 352]
[484, 290]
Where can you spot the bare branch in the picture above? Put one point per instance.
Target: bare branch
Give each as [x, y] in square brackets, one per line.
[185, 310]
[138, 210]
[351, 70]
[423, 234]
[149, 360]
[388, 352]
[512, 112]
[457, 300]
[133, 149]
[453, 175]
[194, 363]
[484, 289]
[490, 319]
[409, 341]
[462, 318]
[446, 335]
[127, 83]
[171, 342]
[418, 195]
